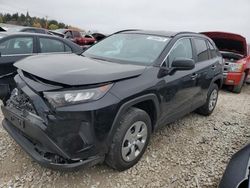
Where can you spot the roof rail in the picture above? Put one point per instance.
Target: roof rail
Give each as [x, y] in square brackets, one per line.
[126, 30]
[186, 32]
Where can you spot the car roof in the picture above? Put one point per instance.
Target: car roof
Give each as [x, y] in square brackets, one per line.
[20, 28]
[160, 33]
[7, 33]
[63, 30]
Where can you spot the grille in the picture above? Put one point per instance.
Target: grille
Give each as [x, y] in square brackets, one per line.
[226, 67]
[20, 101]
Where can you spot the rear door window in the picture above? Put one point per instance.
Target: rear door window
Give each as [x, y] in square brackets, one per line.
[213, 51]
[49, 45]
[17, 45]
[201, 49]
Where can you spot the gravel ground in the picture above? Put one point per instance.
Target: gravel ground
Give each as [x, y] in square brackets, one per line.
[192, 152]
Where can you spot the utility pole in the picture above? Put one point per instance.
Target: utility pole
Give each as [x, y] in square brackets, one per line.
[46, 17]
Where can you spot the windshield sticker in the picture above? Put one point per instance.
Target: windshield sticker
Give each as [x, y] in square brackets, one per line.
[159, 39]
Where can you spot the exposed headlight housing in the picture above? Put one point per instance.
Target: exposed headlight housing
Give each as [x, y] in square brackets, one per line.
[63, 98]
[235, 67]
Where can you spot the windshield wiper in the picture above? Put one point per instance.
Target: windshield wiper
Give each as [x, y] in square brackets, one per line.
[98, 58]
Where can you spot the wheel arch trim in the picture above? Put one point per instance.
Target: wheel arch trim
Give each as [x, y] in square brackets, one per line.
[129, 104]
[218, 77]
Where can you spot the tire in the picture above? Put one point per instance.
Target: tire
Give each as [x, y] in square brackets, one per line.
[237, 89]
[206, 109]
[125, 143]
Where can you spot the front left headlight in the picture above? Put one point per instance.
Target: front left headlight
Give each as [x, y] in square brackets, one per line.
[63, 98]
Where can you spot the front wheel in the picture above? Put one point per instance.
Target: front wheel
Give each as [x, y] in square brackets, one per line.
[211, 102]
[130, 140]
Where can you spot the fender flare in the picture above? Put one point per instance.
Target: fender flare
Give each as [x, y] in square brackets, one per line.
[124, 107]
[218, 77]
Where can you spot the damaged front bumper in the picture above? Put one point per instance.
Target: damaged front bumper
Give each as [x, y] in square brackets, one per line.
[29, 131]
[64, 138]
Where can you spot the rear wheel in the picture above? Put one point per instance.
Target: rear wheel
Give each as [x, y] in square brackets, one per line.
[211, 102]
[237, 89]
[130, 140]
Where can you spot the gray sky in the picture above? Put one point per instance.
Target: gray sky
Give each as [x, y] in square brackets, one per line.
[112, 15]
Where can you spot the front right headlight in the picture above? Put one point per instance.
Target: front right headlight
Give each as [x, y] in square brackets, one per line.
[235, 67]
[63, 98]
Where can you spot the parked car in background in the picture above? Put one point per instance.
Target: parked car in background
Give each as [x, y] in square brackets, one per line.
[248, 78]
[76, 36]
[237, 173]
[16, 46]
[99, 36]
[28, 29]
[70, 111]
[234, 50]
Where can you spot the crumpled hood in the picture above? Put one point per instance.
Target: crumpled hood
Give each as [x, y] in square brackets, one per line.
[229, 42]
[73, 70]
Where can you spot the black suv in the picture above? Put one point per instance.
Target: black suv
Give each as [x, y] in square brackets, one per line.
[78, 110]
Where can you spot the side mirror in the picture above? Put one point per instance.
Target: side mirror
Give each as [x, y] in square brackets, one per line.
[177, 65]
[183, 64]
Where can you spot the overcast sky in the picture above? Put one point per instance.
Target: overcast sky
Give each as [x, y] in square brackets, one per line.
[112, 15]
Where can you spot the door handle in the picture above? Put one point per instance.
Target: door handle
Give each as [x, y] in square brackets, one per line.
[194, 76]
[213, 67]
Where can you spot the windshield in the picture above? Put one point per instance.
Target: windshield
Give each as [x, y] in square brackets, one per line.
[132, 48]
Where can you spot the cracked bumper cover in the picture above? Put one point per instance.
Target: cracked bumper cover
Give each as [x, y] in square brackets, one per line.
[29, 131]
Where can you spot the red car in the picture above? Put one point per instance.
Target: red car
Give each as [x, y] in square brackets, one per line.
[234, 50]
[76, 37]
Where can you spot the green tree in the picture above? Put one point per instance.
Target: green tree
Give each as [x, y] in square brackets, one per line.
[42, 22]
[53, 27]
[1, 19]
[54, 22]
[61, 25]
[22, 17]
[7, 17]
[36, 24]
[15, 16]
[27, 15]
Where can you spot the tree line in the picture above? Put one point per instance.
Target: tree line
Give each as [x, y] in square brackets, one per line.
[27, 20]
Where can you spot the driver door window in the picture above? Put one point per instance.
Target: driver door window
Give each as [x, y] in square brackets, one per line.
[181, 49]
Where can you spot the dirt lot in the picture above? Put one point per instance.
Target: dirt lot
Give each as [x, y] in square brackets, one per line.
[192, 152]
